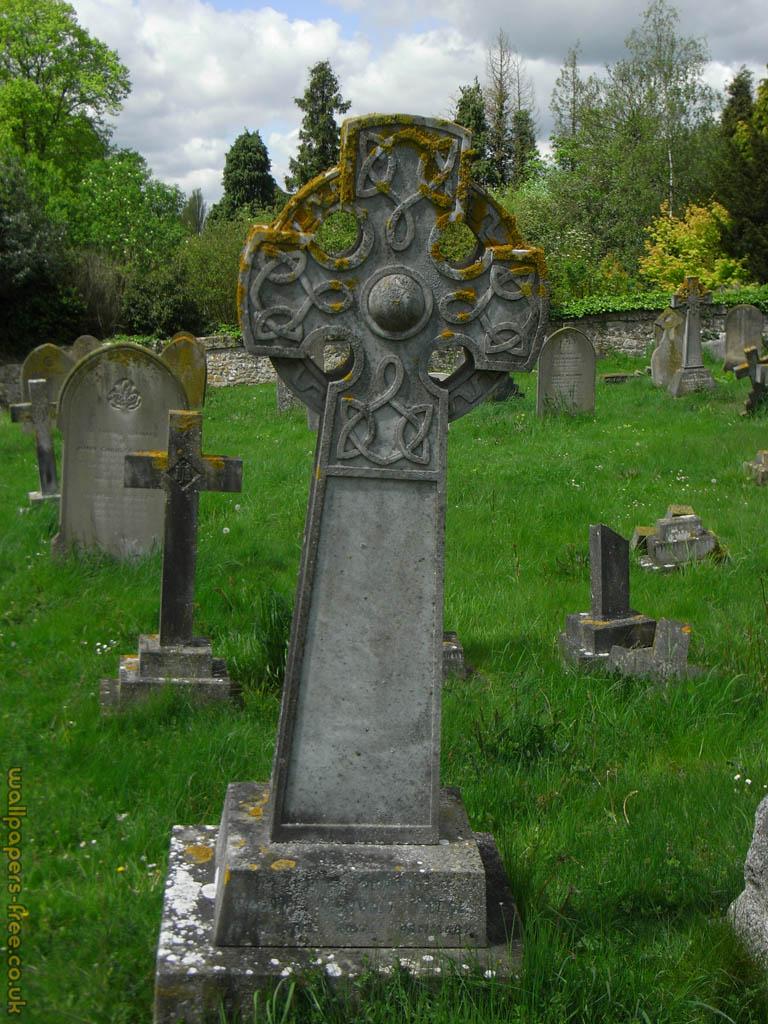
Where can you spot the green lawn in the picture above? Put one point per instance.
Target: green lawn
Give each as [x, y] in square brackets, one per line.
[614, 803]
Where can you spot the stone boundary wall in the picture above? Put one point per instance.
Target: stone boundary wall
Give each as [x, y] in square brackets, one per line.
[630, 333]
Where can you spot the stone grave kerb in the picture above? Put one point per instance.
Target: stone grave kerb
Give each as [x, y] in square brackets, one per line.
[392, 299]
[36, 417]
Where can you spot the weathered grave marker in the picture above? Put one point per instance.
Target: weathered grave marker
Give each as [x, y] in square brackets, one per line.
[175, 657]
[566, 381]
[748, 913]
[667, 659]
[47, 362]
[354, 852]
[115, 401]
[36, 417]
[83, 345]
[589, 636]
[756, 368]
[667, 357]
[743, 330]
[185, 356]
[677, 538]
[692, 375]
[758, 468]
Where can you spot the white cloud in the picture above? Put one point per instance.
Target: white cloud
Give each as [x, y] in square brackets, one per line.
[201, 75]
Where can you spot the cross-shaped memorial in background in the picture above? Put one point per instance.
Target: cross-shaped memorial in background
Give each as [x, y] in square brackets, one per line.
[354, 852]
[36, 417]
[692, 375]
[176, 657]
[756, 368]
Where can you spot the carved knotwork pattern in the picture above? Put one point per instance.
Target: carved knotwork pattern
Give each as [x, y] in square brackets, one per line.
[404, 181]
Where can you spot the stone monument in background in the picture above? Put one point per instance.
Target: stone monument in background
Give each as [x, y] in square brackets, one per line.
[116, 400]
[47, 362]
[36, 417]
[566, 381]
[743, 330]
[692, 375]
[667, 357]
[353, 854]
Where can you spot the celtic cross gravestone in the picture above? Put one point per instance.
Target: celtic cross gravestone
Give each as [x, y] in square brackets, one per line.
[353, 844]
[36, 417]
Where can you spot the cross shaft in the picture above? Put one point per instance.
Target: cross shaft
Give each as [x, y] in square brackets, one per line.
[182, 472]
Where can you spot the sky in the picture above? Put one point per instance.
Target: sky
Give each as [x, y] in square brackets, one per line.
[202, 71]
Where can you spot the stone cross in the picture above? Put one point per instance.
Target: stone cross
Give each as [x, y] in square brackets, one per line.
[37, 415]
[609, 569]
[183, 472]
[756, 368]
[358, 745]
[693, 375]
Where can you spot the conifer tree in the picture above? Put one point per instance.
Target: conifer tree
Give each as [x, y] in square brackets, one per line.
[248, 182]
[319, 132]
[469, 112]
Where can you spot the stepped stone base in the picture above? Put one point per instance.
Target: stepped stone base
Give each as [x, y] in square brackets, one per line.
[190, 668]
[196, 979]
[690, 379]
[589, 641]
[37, 497]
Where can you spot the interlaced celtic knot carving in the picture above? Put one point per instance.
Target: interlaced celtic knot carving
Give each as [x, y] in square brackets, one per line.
[412, 444]
[393, 297]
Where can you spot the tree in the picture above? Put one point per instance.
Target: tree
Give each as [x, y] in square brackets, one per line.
[498, 106]
[571, 96]
[319, 132]
[742, 184]
[247, 178]
[690, 246]
[525, 153]
[57, 84]
[469, 112]
[195, 211]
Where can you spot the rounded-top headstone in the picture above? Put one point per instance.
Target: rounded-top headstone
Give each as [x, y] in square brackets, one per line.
[115, 401]
[185, 355]
[47, 362]
[83, 345]
[566, 380]
[743, 329]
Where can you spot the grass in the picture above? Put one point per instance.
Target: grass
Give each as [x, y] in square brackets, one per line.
[614, 803]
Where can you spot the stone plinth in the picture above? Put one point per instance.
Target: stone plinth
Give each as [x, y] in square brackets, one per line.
[678, 538]
[588, 641]
[667, 659]
[195, 978]
[690, 379]
[300, 893]
[757, 469]
[188, 667]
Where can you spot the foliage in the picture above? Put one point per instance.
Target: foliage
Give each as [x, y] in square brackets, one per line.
[691, 245]
[593, 305]
[571, 96]
[56, 84]
[742, 184]
[319, 134]
[525, 154]
[469, 112]
[498, 111]
[35, 300]
[195, 212]
[247, 178]
[122, 209]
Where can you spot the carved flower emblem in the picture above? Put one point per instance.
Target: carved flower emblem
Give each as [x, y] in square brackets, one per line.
[124, 395]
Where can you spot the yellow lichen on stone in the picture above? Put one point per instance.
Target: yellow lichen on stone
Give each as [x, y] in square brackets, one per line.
[283, 864]
[198, 853]
[445, 335]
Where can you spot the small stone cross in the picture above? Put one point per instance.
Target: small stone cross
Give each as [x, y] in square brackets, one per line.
[756, 368]
[36, 416]
[183, 472]
[691, 296]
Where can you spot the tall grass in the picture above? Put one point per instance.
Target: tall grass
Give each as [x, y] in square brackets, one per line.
[615, 804]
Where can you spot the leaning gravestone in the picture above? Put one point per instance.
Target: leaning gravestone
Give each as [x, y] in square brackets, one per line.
[174, 657]
[353, 855]
[743, 330]
[36, 417]
[755, 367]
[667, 357]
[692, 375]
[566, 380]
[589, 636]
[47, 362]
[185, 356]
[115, 401]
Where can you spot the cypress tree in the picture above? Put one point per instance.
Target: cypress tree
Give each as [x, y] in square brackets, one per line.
[319, 132]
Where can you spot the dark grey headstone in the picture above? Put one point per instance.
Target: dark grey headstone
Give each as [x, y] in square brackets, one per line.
[609, 570]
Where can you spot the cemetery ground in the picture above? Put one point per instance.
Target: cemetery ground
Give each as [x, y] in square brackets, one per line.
[623, 810]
